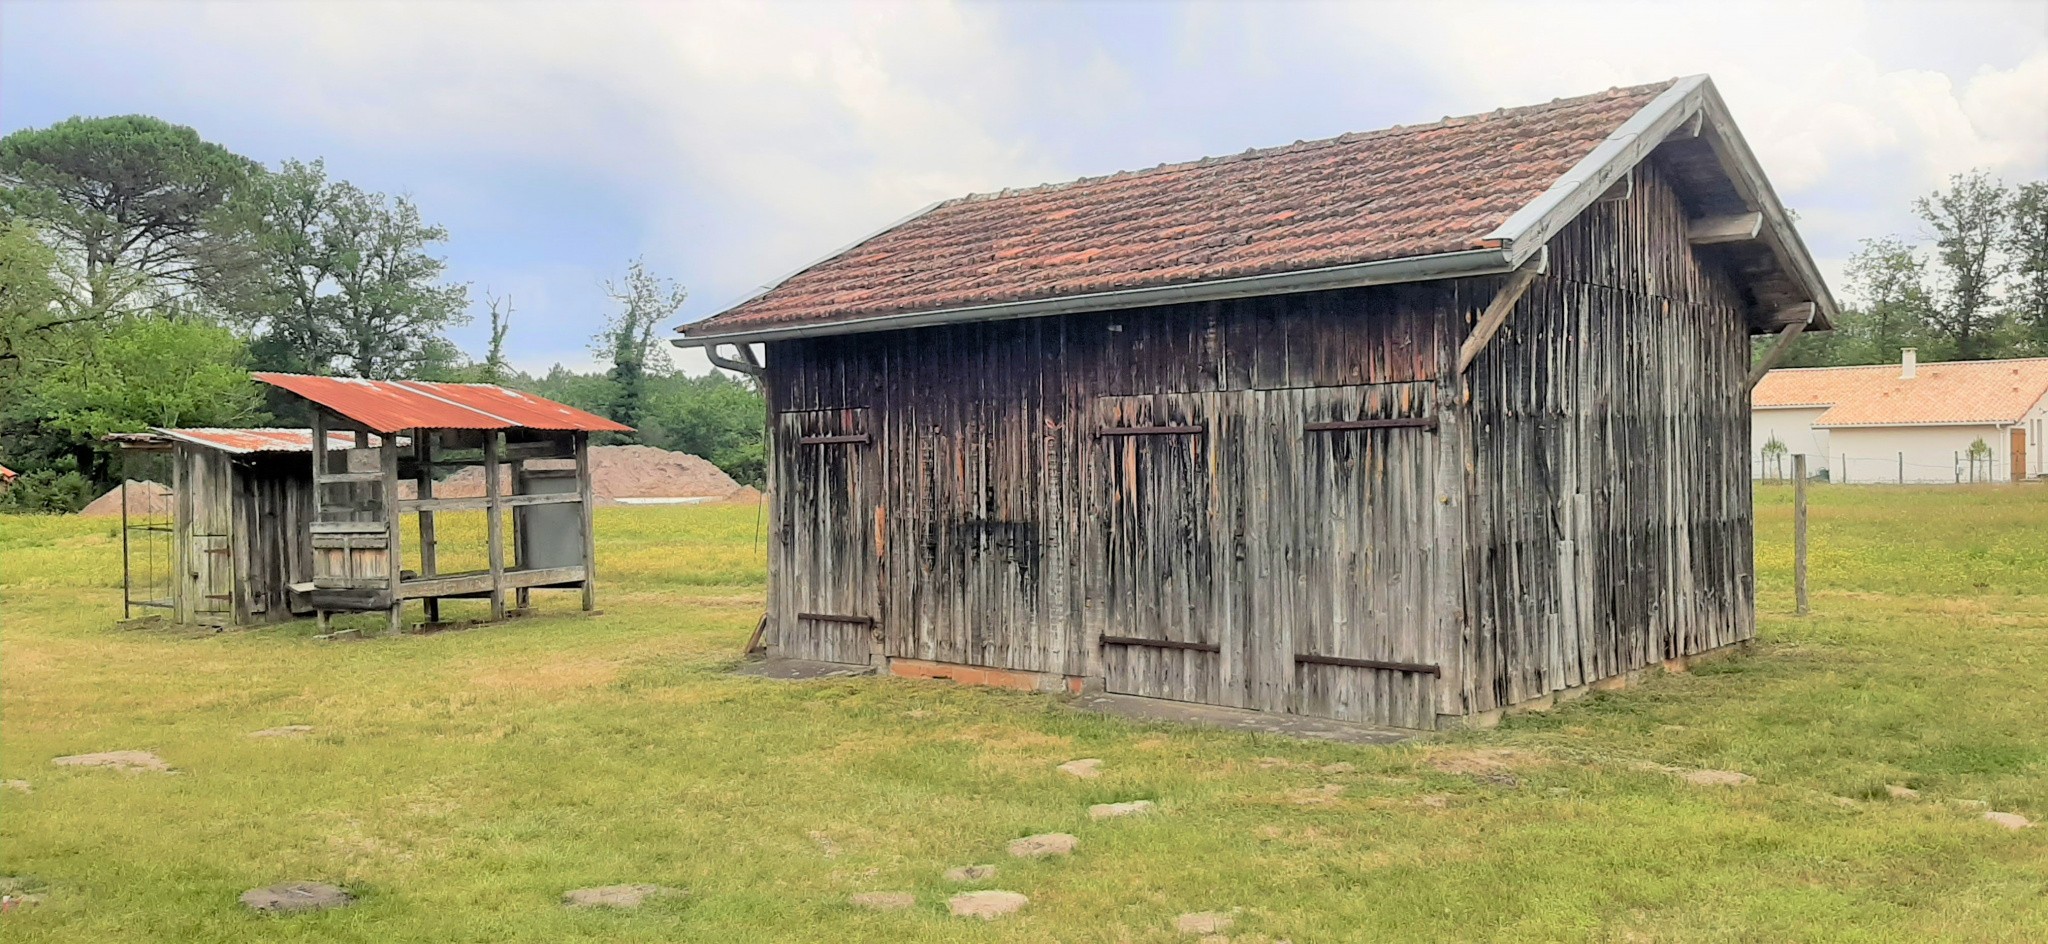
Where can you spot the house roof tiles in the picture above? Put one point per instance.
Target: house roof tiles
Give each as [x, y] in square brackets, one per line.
[1954, 392]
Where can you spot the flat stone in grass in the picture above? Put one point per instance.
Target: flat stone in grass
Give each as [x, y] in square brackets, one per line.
[287, 731]
[19, 786]
[292, 897]
[21, 891]
[1042, 845]
[1204, 922]
[1901, 792]
[883, 901]
[1113, 810]
[1087, 768]
[971, 873]
[126, 761]
[623, 897]
[987, 906]
[1717, 778]
[2008, 820]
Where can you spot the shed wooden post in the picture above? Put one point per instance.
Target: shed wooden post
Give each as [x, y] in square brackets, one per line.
[1799, 533]
[387, 459]
[423, 453]
[583, 493]
[320, 616]
[496, 528]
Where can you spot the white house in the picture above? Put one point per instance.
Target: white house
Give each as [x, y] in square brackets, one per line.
[1905, 422]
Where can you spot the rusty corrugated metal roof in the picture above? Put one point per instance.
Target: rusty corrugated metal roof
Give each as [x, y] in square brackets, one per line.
[264, 439]
[394, 405]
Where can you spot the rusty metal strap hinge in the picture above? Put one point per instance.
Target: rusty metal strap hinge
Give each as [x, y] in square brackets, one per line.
[823, 440]
[837, 618]
[1161, 643]
[1148, 430]
[1417, 667]
[1405, 422]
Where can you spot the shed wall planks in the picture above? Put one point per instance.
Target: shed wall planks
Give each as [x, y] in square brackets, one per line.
[1610, 521]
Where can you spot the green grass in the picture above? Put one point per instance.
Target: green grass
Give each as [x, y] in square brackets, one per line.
[460, 782]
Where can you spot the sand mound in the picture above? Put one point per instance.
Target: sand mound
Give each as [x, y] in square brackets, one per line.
[620, 472]
[145, 499]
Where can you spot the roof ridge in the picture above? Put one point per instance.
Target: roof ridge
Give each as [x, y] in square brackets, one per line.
[1349, 137]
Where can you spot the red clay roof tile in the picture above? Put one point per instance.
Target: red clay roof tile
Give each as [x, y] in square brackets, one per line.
[1363, 197]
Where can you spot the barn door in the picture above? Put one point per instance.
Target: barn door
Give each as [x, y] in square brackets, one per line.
[206, 504]
[1162, 557]
[1340, 599]
[828, 537]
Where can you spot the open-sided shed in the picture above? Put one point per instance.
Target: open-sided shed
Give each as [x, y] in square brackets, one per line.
[354, 527]
[1393, 427]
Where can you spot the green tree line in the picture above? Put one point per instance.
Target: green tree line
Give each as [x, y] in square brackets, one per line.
[1971, 285]
[144, 271]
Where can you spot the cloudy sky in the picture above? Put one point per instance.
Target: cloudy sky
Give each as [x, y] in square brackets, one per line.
[729, 144]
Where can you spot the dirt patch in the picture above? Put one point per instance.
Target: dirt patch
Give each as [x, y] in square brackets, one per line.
[623, 897]
[618, 474]
[145, 500]
[1484, 761]
[125, 761]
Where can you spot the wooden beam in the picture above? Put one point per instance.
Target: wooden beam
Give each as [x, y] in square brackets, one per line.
[1495, 315]
[1801, 314]
[1690, 129]
[423, 479]
[495, 529]
[1735, 228]
[387, 501]
[1622, 189]
[587, 500]
[1776, 353]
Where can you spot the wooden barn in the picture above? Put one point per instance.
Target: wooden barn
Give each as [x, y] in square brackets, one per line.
[1399, 427]
[233, 539]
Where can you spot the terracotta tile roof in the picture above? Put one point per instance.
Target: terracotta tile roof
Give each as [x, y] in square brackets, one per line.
[1396, 193]
[390, 406]
[1950, 392]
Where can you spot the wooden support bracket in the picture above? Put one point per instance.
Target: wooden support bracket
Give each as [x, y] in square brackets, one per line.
[1496, 314]
[1737, 228]
[1785, 338]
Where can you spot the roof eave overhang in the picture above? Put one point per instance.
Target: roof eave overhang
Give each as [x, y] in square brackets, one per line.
[1898, 424]
[1449, 265]
[1532, 227]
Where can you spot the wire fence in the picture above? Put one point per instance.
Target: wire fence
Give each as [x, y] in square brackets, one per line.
[1896, 469]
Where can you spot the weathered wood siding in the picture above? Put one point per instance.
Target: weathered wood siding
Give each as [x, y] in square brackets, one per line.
[1016, 520]
[1610, 515]
[272, 528]
[202, 530]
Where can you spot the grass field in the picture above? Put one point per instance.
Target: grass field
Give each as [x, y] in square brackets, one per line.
[460, 782]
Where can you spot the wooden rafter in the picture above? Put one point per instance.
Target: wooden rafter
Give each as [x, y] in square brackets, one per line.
[1496, 314]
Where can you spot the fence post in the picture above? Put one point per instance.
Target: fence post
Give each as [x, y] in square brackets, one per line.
[1799, 533]
[1845, 468]
[1902, 468]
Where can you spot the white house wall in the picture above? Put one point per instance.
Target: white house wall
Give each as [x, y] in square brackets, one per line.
[2036, 425]
[1930, 454]
[1792, 426]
